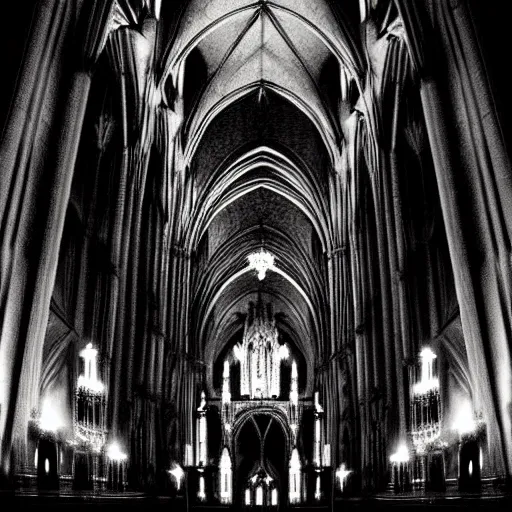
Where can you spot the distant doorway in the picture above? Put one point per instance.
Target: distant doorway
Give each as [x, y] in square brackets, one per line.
[261, 476]
[47, 465]
[469, 467]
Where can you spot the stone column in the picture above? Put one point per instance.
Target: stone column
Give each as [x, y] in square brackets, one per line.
[29, 291]
[471, 169]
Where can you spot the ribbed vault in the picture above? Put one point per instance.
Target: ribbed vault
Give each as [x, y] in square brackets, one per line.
[261, 167]
[152, 146]
[261, 136]
[317, 19]
[262, 46]
[226, 285]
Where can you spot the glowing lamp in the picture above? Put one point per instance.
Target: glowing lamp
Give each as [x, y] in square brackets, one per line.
[401, 455]
[89, 379]
[50, 419]
[318, 407]
[284, 352]
[259, 496]
[427, 355]
[465, 422]
[295, 373]
[201, 494]
[318, 490]
[177, 472]
[114, 452]
[274, 497]
[428, 382]
[342, 474]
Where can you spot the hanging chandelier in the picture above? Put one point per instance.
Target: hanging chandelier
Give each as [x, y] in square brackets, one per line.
[261, 261]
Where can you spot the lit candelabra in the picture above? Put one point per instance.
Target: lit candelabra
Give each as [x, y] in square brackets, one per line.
[425, 404]
[400, 469]
[90, 431]
[117, 460]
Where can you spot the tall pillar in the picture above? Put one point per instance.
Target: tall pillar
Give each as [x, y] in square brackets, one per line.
[471, 169]
[29, 291]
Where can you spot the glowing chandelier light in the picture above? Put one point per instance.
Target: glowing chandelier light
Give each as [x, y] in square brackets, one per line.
[261, 261]
[89, 380]
[428, 382]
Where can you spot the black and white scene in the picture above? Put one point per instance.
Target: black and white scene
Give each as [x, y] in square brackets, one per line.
[255, 255]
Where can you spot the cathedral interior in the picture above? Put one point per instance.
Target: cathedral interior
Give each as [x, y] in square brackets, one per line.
[255, 254]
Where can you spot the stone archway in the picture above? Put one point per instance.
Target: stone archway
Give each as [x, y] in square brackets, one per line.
[261, 448]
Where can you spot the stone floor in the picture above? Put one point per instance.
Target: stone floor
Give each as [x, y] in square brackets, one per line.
[78, 502]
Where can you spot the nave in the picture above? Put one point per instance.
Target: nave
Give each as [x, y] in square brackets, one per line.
[255, 254]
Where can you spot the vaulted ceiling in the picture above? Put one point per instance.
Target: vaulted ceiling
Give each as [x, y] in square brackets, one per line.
[261, 135]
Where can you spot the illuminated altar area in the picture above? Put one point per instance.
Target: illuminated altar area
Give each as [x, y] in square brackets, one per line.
[286, 461]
